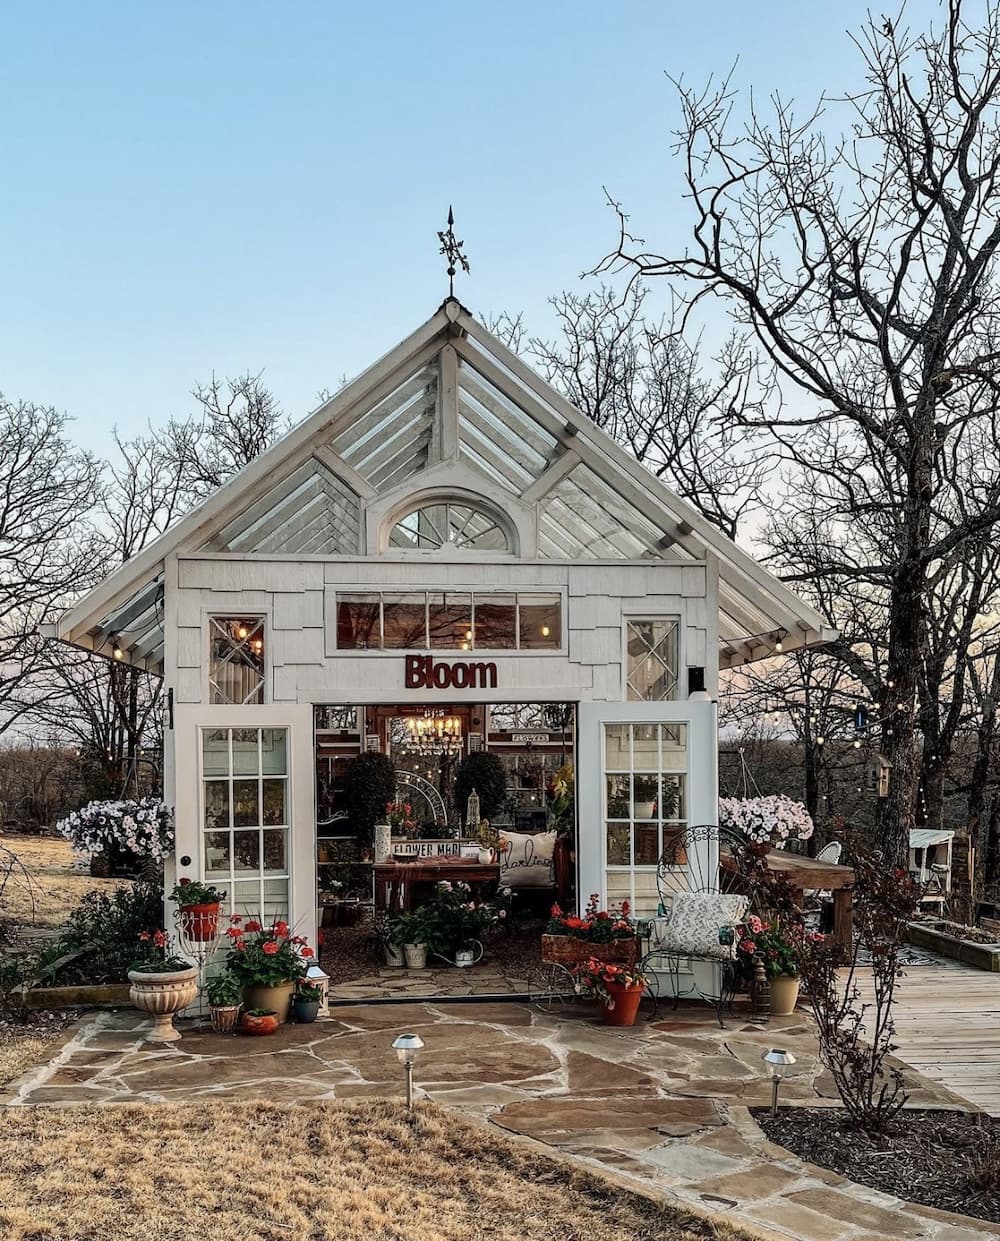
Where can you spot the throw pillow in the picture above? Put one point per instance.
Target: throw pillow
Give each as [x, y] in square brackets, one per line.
[527, 860]
[692, 928]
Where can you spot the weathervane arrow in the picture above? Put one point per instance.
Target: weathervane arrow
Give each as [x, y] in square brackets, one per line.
[451, 248]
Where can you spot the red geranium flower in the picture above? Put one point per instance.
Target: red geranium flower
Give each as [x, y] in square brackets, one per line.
[281, 928]
[270, 948]
[234, 932]
[308, 952]
[159, 939]
[253, 925]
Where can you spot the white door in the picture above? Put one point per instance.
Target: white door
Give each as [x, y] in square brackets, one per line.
[245, 808]
[645, 770]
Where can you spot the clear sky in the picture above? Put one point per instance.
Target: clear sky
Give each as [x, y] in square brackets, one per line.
[233, 185]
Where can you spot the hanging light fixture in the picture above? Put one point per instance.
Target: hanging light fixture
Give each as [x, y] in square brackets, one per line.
[432, 734]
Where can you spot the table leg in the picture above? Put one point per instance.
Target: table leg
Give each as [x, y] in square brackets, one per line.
[843, 918]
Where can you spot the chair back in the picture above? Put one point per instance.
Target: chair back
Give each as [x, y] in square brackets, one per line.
[690, 861]
[831, 852]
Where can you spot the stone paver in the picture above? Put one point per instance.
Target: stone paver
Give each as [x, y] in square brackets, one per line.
[665, 1103]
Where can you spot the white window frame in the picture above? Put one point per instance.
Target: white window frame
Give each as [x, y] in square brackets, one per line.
[631, 618]
[210, 614]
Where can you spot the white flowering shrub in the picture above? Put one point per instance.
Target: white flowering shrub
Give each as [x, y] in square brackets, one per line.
[143, 827]
[765, 820]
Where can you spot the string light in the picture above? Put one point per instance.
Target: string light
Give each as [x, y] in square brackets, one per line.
[116, 649]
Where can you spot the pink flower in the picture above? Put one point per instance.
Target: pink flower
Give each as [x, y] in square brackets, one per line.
[308, 952]
[270, 948]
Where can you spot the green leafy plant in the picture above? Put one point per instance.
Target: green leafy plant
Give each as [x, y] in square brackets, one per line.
[192, 892]
[408, 928]
[452, 919]
[370, 786]
[97, 942]
[309, 994]
[261, 1012]
[224, 990]
[598, 978]
[156, 955]
[265, 956]
[484, 772]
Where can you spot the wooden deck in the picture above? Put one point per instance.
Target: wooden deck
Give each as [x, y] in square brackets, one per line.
[948, 1027]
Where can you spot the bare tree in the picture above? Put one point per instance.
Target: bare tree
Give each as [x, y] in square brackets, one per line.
[864, 271]
[639, 381]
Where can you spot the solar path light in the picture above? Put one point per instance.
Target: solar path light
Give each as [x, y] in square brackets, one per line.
[778, 1062]
[406, 1047]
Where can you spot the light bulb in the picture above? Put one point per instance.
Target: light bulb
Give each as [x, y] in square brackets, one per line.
[778, 646]
[545, 631]
[468, 634]
[241, 633]
[118, 652]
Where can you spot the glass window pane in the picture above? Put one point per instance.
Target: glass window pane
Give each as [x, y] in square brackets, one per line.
[246, 851]
[647, 844]
[617, 747]
[215, 751]
[274, 751]
[495, 627]
[646, 747]
[275, 900]
[217, 804]
[246, 808]
[274, 803]
[652, 660]
[216, 854]
[672, 800]
[540, 621]
[358, 622]
[245, 757]
[275, 848]
[618, 802]
[450, 621]
[404, 622]
[236, 659]
[645, 796]
[618, 844]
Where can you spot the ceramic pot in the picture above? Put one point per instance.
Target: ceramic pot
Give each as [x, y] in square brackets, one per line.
[305, 1011]
[224, 1017]
[383, 843]
[626, 1005]
[485, 857]
[277, 999]
[200, 923]
[644, 809]
[162, 995]
[394, 956]
[265, 1023]
[784, 994]
[416, 956]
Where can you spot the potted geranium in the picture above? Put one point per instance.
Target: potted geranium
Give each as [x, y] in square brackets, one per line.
[306, 1002]
[199, 904]
[608, 935]
[779, 947]
[162, 983]
[618, 987]
[765, 822]
[225, 995]
[267, 961]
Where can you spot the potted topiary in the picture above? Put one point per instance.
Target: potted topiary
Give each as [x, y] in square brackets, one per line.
[199, 904]
[260, 1021]
[267, 961]
[306, 1002]
[225, 995]
[162, 983]
[370, 785]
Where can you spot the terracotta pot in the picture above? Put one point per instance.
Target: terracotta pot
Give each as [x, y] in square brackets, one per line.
[200, 922]
[784, 994]
[416, 956]
[254, 1024]
[224, 1017]
[626, 1005]
[161, 995]
[277, 999]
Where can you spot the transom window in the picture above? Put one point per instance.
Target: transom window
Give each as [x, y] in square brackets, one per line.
[652, 647]
[236, 660]
[448, 620]
[446, 524]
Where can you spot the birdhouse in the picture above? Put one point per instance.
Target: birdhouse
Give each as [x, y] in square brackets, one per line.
[879, 772]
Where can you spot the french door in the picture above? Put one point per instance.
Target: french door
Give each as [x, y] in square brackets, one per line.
[646, 770]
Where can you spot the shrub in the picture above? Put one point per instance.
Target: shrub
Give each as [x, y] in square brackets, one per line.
[485, 773]
[371, 786]
[104, 928]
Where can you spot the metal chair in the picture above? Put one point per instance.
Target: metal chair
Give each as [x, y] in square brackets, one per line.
[689, 865]
[816, 900]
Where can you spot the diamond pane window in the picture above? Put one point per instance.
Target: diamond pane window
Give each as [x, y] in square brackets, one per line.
[236, 671]
[448, 525]
[652, 660]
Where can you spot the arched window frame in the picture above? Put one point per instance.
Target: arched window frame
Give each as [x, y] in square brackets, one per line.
[447, 550]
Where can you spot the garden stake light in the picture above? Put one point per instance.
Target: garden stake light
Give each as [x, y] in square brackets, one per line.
[777, 1061]
[406, 1047]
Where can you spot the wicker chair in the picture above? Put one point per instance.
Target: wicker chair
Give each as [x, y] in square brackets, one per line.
[689, 865]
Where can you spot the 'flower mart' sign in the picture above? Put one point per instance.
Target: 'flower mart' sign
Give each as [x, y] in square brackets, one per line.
[426, 672]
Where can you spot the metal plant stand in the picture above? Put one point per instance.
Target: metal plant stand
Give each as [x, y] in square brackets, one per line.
[196, 943]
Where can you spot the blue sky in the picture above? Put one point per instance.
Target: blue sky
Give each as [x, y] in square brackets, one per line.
[225, 186]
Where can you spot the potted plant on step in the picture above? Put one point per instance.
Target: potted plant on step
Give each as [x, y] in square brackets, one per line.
[225, 995]
[162, 983]
[618, 987]
[267, 961]
[199, 905]
[409, 930]
[260, 1021]
[306, 1002]
[608, 935]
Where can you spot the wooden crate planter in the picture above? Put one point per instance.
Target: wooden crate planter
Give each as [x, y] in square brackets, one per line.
[567, 950]
[931, 937]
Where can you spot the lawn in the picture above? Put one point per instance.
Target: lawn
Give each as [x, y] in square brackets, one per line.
[328, 1172]
[56, 880]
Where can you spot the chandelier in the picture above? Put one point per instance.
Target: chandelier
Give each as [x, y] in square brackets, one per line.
[439, 735]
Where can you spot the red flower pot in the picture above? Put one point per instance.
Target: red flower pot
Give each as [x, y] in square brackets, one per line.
[253, 1023]
[626, 1005]
[201, 922]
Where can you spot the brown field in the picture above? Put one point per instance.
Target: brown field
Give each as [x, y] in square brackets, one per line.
[18, 1052]
[52, 886]
[260, 1172]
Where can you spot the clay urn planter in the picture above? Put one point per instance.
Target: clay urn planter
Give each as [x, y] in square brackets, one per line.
[161, 994]
[259, 1021]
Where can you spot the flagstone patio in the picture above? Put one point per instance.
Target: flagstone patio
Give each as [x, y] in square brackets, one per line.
[665, 1103]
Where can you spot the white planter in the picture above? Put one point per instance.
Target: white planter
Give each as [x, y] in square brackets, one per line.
[485, 857]
[643, 809]
[162, 995]
[394, 956]
[416, 956]
[383, 843]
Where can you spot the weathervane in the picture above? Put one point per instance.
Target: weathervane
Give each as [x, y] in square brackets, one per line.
[451, 248]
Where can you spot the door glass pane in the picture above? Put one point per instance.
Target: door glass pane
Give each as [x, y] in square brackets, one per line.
[647, 844]
[274, 751]
[645, 796]
[217, 854]
[247, 898]
[618, 844]
[245, 757]
[618, 797]
[217, 803]
[275, 848]
[617, 747]
[246, 851]
[274, 803]
[246, 810]
[215, 751]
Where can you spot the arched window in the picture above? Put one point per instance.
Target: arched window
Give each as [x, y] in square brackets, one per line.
[446, 524]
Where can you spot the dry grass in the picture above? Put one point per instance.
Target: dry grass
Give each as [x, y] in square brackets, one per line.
[323, 1172]
[53, 887]
[18, 1053]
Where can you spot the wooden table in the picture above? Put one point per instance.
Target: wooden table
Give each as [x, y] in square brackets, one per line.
[394, 881]
[806, 872]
